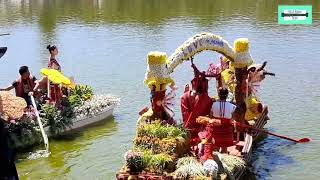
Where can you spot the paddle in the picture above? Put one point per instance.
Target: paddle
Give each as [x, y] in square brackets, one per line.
[43, 133]
[303, 140]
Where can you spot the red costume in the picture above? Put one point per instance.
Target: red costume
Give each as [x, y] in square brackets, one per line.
[54, 62]
[223, 134]
[19, 87]
[55, 91]
[193, 106]
[156, 103]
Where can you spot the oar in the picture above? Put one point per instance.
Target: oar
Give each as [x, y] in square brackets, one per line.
[43, 133]
[303, 140]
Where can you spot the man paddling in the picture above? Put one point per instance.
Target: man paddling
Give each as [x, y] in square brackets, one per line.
[25, 85]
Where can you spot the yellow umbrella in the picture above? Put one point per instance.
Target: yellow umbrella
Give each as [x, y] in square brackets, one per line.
[55, 76]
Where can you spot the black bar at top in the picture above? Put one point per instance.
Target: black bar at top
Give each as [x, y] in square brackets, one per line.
[286, 15]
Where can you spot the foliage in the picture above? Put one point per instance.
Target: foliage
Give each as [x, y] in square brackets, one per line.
[134, 161]
[157, 130]
[156, 145]
[156, 162]
[57, 119]
[146, 160]
[83, 91]
[74, 100]
[160, 138]
[24, 134]
[161, 145]
[232, 162]
[189, 168]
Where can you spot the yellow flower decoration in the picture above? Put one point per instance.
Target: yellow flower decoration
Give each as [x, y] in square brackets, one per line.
[252, 112]
[241, 45]
[157, 72]
[226, 77]
[242, 57]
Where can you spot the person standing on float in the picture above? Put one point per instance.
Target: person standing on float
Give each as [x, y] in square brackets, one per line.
[55, 91]
[53, 63]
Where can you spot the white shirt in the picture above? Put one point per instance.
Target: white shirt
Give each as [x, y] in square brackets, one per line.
[228, 110]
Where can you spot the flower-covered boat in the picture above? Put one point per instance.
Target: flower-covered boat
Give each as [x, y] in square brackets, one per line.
[164, 150]
[77, 108]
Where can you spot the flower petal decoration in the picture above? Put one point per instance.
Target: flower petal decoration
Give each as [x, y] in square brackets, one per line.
[11, 107]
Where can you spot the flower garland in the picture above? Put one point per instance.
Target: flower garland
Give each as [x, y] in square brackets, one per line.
[196, 44]
[94, 106]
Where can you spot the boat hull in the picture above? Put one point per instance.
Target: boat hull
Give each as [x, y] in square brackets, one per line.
[85, 121]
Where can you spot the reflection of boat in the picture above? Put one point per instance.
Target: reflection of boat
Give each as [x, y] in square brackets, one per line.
[87, 121]
[249, 111]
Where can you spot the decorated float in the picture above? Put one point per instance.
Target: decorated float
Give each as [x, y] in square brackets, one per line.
[162, 149]
[76, 107]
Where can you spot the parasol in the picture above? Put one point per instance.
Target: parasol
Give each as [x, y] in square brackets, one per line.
[55, 76]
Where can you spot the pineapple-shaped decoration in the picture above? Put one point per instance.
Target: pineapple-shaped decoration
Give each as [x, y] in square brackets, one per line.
[241, 62]
[157, 78]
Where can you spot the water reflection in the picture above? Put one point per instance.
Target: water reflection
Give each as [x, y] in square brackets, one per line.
[66, 151]
[150, 12]
[268, 156]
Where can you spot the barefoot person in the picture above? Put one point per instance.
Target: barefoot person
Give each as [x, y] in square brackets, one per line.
[25, 85]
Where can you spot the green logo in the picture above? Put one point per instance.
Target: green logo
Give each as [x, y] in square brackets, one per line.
[294, 14]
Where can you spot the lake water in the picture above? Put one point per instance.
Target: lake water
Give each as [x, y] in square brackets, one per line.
[104, 44]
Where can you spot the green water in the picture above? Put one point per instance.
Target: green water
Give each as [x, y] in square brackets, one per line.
[105, 43]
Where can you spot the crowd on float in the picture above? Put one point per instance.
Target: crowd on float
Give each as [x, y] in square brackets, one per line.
[209, 124]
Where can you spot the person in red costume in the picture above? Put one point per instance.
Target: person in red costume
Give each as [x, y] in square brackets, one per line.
[222, 112]
[55, 91]
[195, 103]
